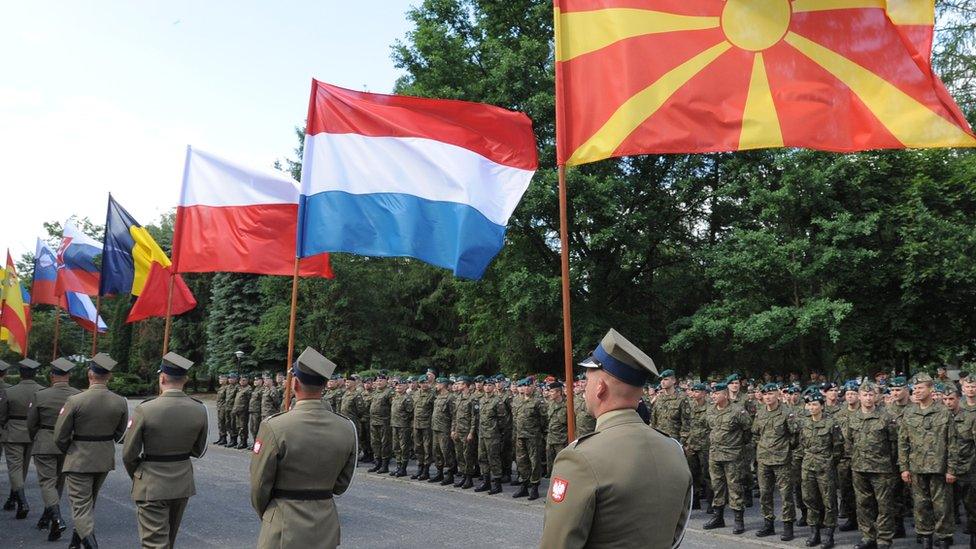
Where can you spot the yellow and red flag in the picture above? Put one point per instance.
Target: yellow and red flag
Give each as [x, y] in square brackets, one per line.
[685, 76]
[13, 315]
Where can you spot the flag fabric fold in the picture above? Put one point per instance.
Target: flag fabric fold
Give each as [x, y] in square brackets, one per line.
[82, 310]
[234, 218]
[13, 312]
[129, 252]
[153, 300]
[77, 270]
[44, 286]
[398, 176]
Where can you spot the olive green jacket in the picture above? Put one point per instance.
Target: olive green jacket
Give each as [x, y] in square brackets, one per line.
[353, 406]
[492, 413]
[927, 441]
[242, 399]
[871, 439]
[671, 414]
[728, 432]
[465, 415]
[379, 406]
[442, 415]
[821, 443]
[530, 418]
[696, 437]
[423, 407]
[18, 401]
[774, 432]
[43, 414]
[556, 425]
[95, 413]
[401, 410]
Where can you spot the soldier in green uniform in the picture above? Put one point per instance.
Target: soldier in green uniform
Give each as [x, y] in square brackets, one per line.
[164, 433]
[401, 421]
[871, 439]
[741, 398]
[270, 405]
[17, 440]
[556, 430]
[929, 460]
[380, 433]
[822, 445]
[504, 391]
[900, 401]
[965, 420]
[696, 444]
[442, 415]
[464, 432]
[845, 486]
[585, 422]
[301, 460]
[352, 406]
[87, 429]
[491, 415]
[254, 408]
[601, 493]
[530, 420]
[48, 459]
[794, 402]
[423, 434]
[230, 418]
[280, 390]
[728, 427]
[774, 431]
[221, 406]
[671, 412]
[242, 401]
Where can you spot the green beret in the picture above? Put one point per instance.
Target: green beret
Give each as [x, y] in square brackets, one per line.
[732, 377]
[897, 382]
[699, 387]
[721, 386]
[442, 380]
[667, 373]
[479, 379]
[770, 388]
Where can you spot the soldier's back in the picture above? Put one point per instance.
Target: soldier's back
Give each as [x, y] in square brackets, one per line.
[88, 427]
[44, 414]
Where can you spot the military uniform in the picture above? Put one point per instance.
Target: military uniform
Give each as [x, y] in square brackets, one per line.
[423, 435]
[86, 431]
[254, 409]
[821, 447]
[271, 402]
[727, 435]
[353, 407]
[464, 430]
[871, 439]
[242, 401]
[556, 435]
[164, 433]
[17, 440]
[230, 418]
[491, 416]
[530, 420]
[845, 485]
[380, 433]
[671, 413]
[221, 404]
[965, 420]
[401, 422]
[696, 450]
[585, 422]
[442, 416]
[774, 432]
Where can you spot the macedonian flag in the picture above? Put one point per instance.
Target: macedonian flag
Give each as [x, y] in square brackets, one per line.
[687, 76]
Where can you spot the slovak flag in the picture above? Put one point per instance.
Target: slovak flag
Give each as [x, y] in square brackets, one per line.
[77, 271]
[398, 176]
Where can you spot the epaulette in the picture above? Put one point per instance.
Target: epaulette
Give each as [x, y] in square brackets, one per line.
[274, 415]
[196, 400]
[662, 432]
[146, 400]
[579, 441]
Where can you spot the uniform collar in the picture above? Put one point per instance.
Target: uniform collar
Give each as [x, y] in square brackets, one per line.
[309, 403]
[614, 418]
[98, 387]
[173, 393]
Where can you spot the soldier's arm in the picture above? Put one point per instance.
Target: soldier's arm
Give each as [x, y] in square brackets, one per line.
[848, 440]
[200, 444]
[345, 476]
[132, 447]
[904, 446]
[954, 460]
[567, 522]
[64, 428]
[33, 419]
[264, 467]
[685, 421]
[123, 420]
[838, 445]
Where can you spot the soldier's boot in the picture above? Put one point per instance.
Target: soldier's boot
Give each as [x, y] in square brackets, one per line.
[972, 541]
[523, 491]
[416, 476]
[787, 531]
[384, 466]
[231, 442]
[243, 444]
[496, 487]
[57, 524]
[927, 542]
[11, 502]
[448, 478]
[515, 481]
[22, 507]
[534, 492]
[717, 520]
[250, 446]
[506, 475]
[739, 522]
[944, 543]
[439, 476]
[768, 528]
[45, 520]
[460, 480]
[803, 516]
[90, 542]
[850, 525]
[828, 539]
[75, 541]
[900, 528]
[367, 458]
[485, 484]
[710, 509]
[468, 482]
[814, 539]
[222, 440]
[424, 473]
[866, 544]
[696, 504]
[401, 470]
[376, 467]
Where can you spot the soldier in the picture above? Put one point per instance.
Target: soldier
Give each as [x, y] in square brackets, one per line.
[48, 459]
[728, 427]
[491, 414]
[17, 440]
[871, 438]
[364, 422]
[221, 404]
[774, 430]
[529, 422]
[254, 408]
[929, 460]
[270, 403]
[352, 407]
[380, 433]
[671, 413]
[965, 420]
[821, 444]
[900, 401]
[601, 494]
[464, 432]
[164, 433]
[86, 431]
[502, 389]
[301, 460]
[442, 415]
[556, 435]
[230, 418]
[401, 421]
[696, 445]
[831, 393]
[242, 401]
[423, 435]
[585, 422]
[280, 390]
[845, 485]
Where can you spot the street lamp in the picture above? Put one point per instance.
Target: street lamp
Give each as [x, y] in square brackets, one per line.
[239, 355]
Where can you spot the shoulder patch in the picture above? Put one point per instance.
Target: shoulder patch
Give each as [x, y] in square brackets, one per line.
[558, 489]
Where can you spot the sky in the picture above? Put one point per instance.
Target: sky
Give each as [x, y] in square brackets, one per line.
[99, 97]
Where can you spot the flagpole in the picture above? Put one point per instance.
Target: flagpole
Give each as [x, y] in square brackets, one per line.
[98, 305]
[57, 331]
[291, 337]
[567, 319]
[169, 315]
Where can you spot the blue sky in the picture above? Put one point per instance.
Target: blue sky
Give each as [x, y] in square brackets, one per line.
[105, 96]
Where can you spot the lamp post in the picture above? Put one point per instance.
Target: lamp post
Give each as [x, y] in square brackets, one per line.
[239, 355]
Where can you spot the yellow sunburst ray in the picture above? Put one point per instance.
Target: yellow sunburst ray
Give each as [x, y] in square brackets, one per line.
[760, 123]
[911, 122]
[641, 106]
[901, 12]
[582, 32]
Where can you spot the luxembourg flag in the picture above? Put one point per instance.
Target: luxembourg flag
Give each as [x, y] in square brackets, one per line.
[398, 176]
[77, 271]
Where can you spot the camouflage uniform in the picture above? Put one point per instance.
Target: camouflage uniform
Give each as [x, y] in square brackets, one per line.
[491, 417]
[749, 448]
[353, 407]
[902, 501]
[222, 411]
[585, 423]
[845, 485]
[530, 420]
[401, 422]
[728, 430]
[871, 439]
[821, 448]
[465, 424]
[423, 436]
[696, 450]
[254, 410]
[556, 435]
[270, 405]
[774, 432]
[965, 420]
[671, 414]
[441, 418]
[380, 435]
[242, 400]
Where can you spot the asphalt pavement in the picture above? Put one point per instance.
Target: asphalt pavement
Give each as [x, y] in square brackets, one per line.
[378, 511]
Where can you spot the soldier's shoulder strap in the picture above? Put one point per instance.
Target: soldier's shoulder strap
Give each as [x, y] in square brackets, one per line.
[272, 416]
[577, 442]
[198, 401]
[147, 400]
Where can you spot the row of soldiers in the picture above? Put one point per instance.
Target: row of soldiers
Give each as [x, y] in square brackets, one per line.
[866, 452]
[243, 402]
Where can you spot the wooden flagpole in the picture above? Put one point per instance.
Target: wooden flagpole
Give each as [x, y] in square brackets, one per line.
[57, 331]
[567, 318]
[169, 315]
[98, 306]
[291, 337]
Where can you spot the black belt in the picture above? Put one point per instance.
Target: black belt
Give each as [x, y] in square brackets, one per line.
[304, 495]
[104, 438]
[47, 427]
[23, 418]
[164, 459]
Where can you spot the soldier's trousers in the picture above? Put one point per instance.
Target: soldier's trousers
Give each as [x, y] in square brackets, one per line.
[551, 450]
[401, 444]
[240, 424]
[747, 461]
[933, 505]
[508, 450]
[364, 441]
[18, 461]
[443, 451]
[221, 422]
[82, 494]
[845, 487]
[698, 464]
[49, 477]
[819, 488]
[527, 454]
[466, 452]
[490, 455]
[796, 477]
[423, 445]
[254, 422]
[159, 522]
[727, 483]
[874, 494]
[967, 490]
[772, 478]
[381, 439]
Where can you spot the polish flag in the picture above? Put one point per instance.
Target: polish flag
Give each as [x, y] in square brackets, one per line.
[235, 218]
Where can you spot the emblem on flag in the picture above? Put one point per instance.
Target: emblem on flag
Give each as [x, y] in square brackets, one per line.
[558, 491]
[257, 446]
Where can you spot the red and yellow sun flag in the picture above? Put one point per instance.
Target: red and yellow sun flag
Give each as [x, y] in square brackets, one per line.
[685, 76]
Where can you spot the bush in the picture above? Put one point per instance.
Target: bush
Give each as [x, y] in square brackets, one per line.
[128, 385]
